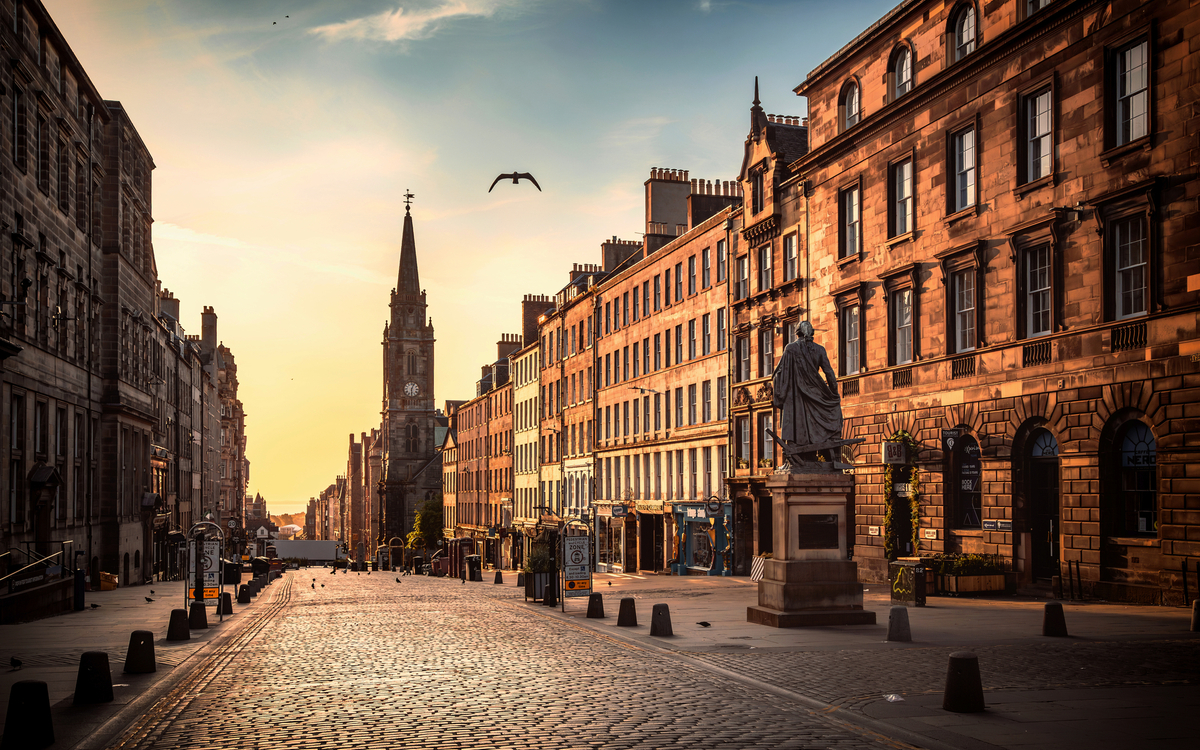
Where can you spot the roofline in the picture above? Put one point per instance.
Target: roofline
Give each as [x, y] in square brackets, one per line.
[870, 31]
[39, 8]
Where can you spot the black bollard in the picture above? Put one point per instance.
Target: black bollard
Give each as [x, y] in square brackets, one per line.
[964, 689]
[198, 616]
[596, 606]
[660, 621]
[225, 604]
[1054, 624]
[27, 724]
[898, 628]
[499, 577]
[551, 598]
[244, 594]
[93, 683]
[627, 614]
[139, 658]
[520, 579]
[179, 630]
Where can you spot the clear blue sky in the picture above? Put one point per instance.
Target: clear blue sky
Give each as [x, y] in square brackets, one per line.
[285, 134]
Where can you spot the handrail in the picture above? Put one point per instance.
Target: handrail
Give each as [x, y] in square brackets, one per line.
[30, 565]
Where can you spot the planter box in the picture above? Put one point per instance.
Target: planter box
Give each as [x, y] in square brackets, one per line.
[971, 584]
[535, 585]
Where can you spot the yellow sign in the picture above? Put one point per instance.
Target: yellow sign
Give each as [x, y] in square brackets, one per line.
[208, 593]
[577, 585]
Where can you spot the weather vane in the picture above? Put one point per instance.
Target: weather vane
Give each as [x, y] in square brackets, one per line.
[407, 199]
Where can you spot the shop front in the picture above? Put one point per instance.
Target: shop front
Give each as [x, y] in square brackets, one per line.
[610, 538]
[651, 535]
[702, 540]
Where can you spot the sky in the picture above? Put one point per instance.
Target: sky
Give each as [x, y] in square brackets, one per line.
[285, 134]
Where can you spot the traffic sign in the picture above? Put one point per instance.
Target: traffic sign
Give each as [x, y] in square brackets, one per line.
[577, 573]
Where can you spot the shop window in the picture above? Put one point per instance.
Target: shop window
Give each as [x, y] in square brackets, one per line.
[1135, 510]
[964, 486]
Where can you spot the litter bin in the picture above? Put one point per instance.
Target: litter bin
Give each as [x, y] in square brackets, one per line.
[907, 578]
[260, 566]
[232, 572]
[474, 567]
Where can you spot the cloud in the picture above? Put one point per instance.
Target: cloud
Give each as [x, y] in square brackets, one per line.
[405, 25]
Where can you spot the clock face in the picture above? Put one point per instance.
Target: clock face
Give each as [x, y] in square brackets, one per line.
[411, 389]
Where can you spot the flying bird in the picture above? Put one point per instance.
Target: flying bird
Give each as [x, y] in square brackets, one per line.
[704, 624]
[148, 599]
[515, 177]
[15, 663]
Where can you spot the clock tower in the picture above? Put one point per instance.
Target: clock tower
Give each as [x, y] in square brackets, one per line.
[411, 469]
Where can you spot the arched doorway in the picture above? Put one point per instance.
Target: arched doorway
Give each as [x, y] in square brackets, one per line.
[1041, 489]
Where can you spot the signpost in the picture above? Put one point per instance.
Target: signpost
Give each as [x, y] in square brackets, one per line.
[210, 570]
[577, 568]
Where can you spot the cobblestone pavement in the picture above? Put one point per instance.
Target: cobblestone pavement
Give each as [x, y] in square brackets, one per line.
[366, 662]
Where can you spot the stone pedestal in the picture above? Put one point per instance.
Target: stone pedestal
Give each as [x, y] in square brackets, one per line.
[810, 581]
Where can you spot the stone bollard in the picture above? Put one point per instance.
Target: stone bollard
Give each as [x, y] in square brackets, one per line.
[964, 689]
[225, 604]
[244, 594]
[521, 579]
[27, 724]
[898, 628]
[596, 606]
[627, 614]
[1196, 615]
[93, 683]
[179, 630]
[660, 621]
[1054, 624]
[198, 616]
[139, 658]
[499, 577]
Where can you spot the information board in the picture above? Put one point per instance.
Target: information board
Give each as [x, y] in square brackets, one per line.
[577, 568]
[210, 566]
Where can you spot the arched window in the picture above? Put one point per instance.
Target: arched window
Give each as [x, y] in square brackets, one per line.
[962, 35]
[1136, 505]
[411, 441]
[412, 363]
[901, 72]
[849, 107]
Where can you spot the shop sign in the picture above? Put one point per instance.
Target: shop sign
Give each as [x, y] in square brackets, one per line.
[648, 506]
[697, 513]
[902, 489]
[619, 511]
[872, 531]
[948, 439]
[895, 452]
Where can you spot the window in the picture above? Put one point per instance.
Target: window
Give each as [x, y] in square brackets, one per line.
[721, 329]
[706, 334]
[743, 434]
[848, 105]
[678, 281]
[678, 407]
[705, 268]
[657, 412]
[1130, 274]
[645, 298]
[707, 472]
[636, 418]
[657, 293]
[963, 486]
[646, 355]
[721, 259]
[900, 72]
[692, 404]
[1136, 511]
[849, 340]
[1132, 89]
[743, 358]
[789, 257]
[706, 401]
[64, 176]
[608, 307]
[901, 208]
[625, 309]
[722, 399]
[657, 352]
[636, 359]
[692, 339]
[1033, 6]
[1038, 161]
[963, 288]
[742, 288]
[766, 351]
[766, 278]
[766, 446]
[963, 158]
[1037, 291]
[667, 348]
[756, 192]
[20, 134]
[900, 314]
[667, 287]
[694, 464]
[850, 222]
[963, 32]
[43, 155]
[678, 343]
[692, 275]
[635, 307]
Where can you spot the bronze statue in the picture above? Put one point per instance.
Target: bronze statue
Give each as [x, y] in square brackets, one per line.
[805, 392]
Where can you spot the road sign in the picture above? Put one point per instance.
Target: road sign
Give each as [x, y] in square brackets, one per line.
[577, 569]
[210, 563]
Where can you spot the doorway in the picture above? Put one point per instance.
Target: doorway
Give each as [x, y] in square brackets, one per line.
[1042, 491]
[651, 541]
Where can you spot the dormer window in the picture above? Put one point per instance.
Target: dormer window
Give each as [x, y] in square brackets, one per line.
[963, 34]
[901, 72]
[849, 108]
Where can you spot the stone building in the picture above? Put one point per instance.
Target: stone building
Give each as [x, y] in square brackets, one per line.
[661, 379]
[526, 371]
[410, 423]
[231, 472]
[997, 214]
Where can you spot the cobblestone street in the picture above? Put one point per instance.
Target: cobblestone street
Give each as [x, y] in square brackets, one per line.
[366, 662]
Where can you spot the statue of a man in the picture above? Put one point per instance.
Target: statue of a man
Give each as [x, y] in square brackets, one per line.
[811, 409]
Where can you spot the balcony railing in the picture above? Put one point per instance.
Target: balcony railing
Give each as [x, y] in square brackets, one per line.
[962, 367]
[1129, 336]
[1036, 353]
[902, 378]
[850, 388]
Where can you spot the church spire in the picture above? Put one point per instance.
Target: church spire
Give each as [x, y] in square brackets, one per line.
[409, 281]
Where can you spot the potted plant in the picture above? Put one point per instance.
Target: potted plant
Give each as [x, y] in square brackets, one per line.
[967, 573]
[538, 570]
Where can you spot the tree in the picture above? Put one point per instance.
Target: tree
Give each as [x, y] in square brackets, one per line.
[427, 528]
